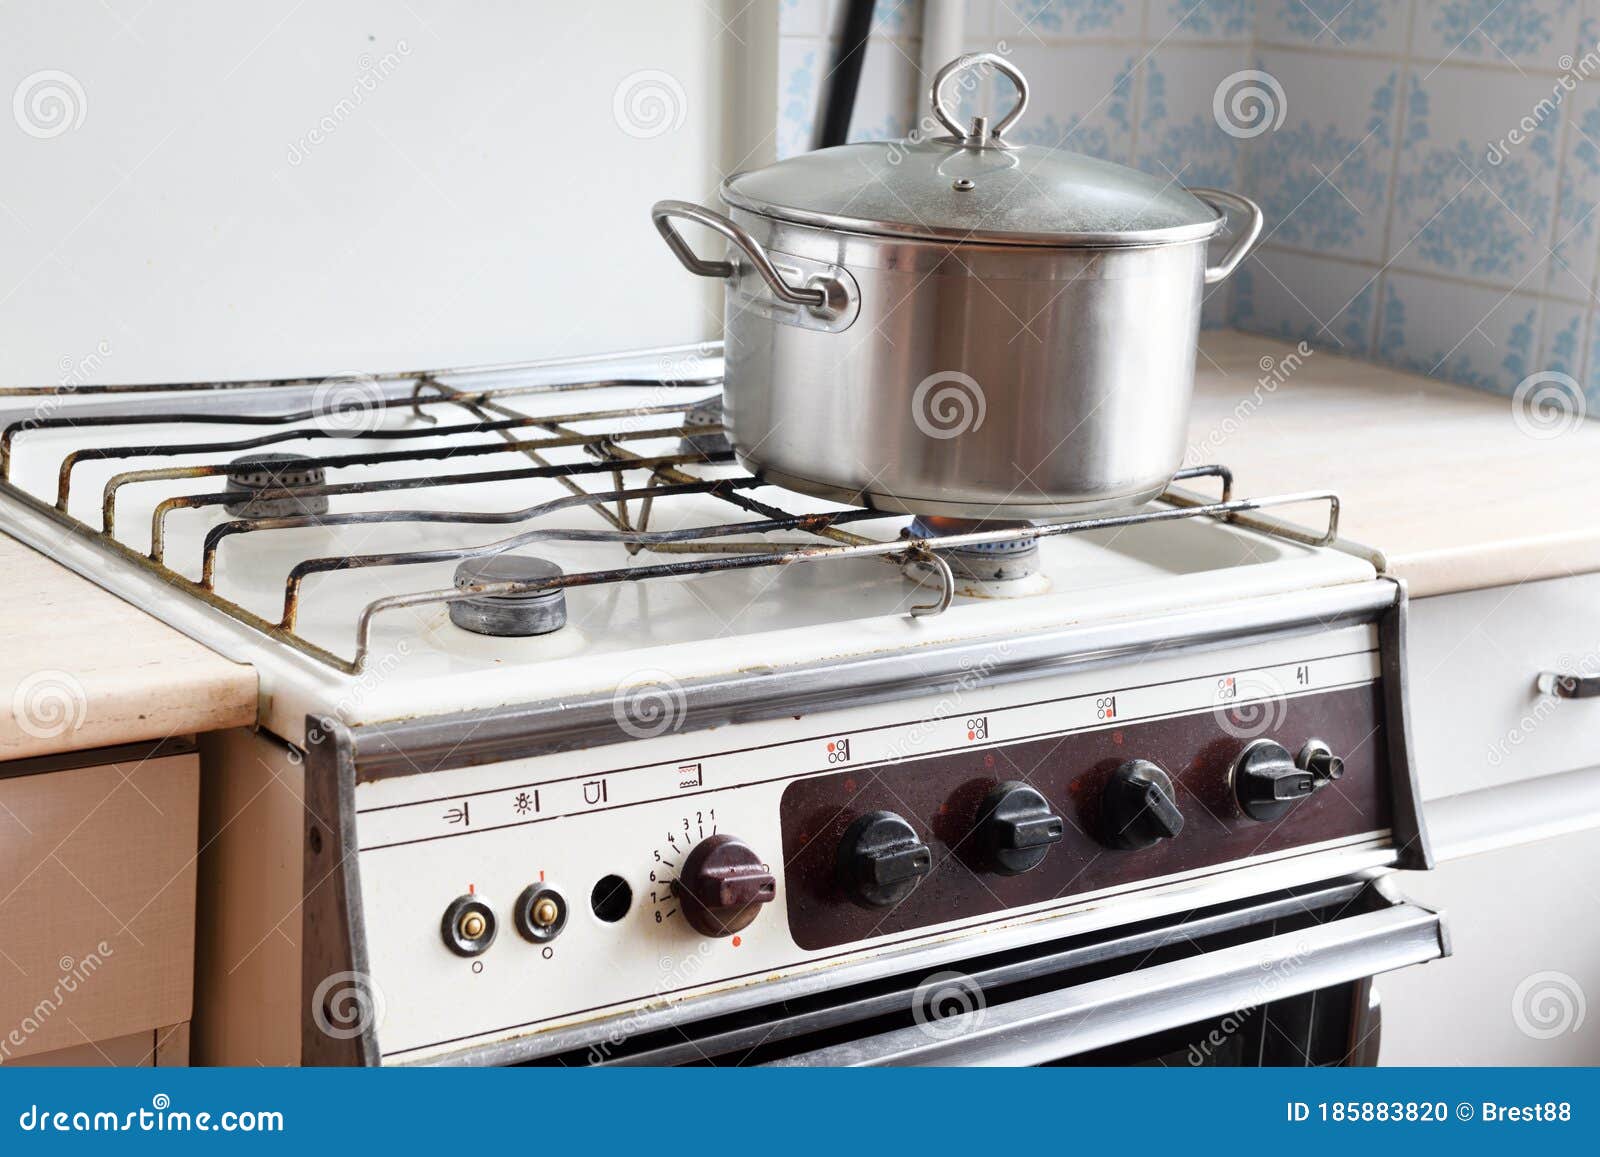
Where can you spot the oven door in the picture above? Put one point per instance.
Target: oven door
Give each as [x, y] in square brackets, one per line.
[1283, 979]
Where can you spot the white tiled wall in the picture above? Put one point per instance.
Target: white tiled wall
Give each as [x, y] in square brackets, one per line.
[1403, 223]
[1129, 80]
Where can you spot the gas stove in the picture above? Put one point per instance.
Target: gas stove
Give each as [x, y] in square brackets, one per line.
[611, 751]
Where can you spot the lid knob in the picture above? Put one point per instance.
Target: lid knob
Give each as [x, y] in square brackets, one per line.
[982, 135]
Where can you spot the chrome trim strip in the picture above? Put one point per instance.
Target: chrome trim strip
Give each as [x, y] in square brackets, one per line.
[1077, 1020]
[410, 747]
[1147, 941]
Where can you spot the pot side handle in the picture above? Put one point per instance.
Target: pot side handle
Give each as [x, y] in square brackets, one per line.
[663, 212]
[1247, 238]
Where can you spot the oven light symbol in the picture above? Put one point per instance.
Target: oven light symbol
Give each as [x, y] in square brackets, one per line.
[525, 803]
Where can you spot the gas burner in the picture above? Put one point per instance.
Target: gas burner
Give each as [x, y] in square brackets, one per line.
[536, 613]
[988, 570]
[253, 476]
[711, 443]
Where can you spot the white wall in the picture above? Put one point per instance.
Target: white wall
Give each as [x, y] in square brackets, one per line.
[477, 199]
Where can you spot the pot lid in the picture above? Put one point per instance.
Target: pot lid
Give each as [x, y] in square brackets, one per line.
[972, 186]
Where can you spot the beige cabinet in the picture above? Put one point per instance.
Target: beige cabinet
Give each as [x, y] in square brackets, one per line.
[97, 904]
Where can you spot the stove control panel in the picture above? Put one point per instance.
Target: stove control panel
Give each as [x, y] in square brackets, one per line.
[971, 833]
[503, 901]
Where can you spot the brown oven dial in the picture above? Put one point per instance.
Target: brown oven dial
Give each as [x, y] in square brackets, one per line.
[722, 885]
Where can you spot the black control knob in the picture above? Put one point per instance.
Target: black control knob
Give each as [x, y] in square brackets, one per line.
[1138, 807]
[722, 885]
[1268, 781]
[881, 860]
[1016, 828]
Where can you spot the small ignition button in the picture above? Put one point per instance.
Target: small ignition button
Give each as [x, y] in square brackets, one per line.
[468, 926]
[541, 913]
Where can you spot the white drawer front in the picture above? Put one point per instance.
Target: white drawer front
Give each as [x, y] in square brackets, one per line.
[1479, 719]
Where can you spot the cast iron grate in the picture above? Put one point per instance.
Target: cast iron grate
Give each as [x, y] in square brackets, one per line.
[622, 486]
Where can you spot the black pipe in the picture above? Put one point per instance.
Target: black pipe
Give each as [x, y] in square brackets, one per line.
[844, 78]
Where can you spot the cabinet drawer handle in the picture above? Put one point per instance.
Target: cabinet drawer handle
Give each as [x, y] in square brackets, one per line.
[1569, 686]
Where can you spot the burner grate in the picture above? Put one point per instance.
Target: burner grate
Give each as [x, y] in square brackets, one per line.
[619, 484]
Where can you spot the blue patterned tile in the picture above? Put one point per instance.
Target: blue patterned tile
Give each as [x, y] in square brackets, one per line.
[1590, 380]
[886, 101]
[1216, 308]
[1323, 177]
[1202, 19]
[1367, 25]
[1289, 295]
[1561, 342]
[803, 18]
[800, 66]
[1078, 18]
[980, 18]
[1456, 213]
[902, 18]
[1532, 32]
[1179, 135]
[1577, 229]
[1463, 333]
[1082, 100]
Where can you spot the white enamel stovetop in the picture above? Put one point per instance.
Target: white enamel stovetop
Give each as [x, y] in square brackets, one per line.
[420, 663]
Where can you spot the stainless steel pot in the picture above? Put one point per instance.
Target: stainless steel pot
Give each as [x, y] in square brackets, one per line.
[960, 326]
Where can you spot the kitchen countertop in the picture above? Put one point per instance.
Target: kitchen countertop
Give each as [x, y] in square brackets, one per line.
[80, 668]
[1442, 480]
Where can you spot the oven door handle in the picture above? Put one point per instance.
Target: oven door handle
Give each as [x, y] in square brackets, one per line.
[1098, 1013]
